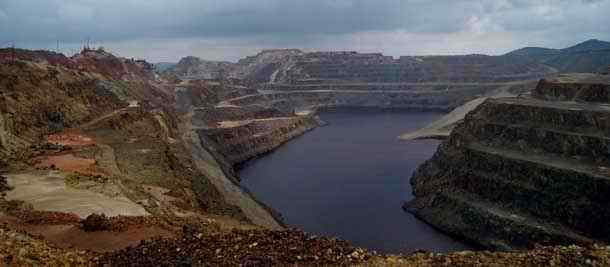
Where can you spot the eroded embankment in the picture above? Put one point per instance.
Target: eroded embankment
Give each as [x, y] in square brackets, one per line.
[523, 171]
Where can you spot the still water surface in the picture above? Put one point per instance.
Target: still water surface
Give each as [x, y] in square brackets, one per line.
[349, 180]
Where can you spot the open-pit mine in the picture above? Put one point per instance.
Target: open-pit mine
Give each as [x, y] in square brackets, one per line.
[290, 157]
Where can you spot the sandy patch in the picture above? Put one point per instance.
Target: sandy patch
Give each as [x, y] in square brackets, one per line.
[47, 191]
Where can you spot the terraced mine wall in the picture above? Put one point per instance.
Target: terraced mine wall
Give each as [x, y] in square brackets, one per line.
[427, 69]
[442, 86]
[522, 171]
[571, 91]
[424, 100]
[249, 139]
[298, 67]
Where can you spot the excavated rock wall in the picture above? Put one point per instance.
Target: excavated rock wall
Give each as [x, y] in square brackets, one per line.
[251, 139]
[433, 100]
[294, 67]
[561, 91]
[377, 68]
[519, 172]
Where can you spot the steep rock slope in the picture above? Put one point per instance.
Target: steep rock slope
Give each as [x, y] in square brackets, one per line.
[41, 99]
[524, 171]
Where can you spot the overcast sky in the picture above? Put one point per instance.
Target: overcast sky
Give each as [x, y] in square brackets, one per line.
[166, 30]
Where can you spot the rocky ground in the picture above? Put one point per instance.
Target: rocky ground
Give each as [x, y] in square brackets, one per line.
[205, 243]
[249, 248]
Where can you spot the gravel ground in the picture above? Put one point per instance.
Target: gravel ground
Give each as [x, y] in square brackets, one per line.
[20, 249]
[206, 245]
[541, 256]
[238, 247]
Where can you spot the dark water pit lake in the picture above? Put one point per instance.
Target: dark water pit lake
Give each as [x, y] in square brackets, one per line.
[349, 179]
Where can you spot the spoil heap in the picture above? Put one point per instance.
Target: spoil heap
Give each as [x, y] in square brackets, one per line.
[524, 171]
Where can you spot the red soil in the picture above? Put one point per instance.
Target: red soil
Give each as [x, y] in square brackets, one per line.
[69, 163]
[71, 137]
[66, 161]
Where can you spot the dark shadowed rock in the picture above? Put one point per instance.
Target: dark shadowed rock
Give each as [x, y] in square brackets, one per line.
[96, 223]
[56, 121]
[3, 185]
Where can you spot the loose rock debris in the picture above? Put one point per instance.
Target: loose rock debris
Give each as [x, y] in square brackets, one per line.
[238, 247]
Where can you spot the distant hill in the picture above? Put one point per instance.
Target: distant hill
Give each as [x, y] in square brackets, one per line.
[589, 56]
[590, 45]
[535, 52]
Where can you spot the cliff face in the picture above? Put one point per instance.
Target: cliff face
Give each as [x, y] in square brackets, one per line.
[523, 171]
[239, 141]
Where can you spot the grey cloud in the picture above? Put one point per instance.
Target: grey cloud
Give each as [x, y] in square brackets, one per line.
[30, 22]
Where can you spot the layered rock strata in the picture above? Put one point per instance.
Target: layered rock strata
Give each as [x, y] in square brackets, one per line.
[297, 100]
[238, 141]
[523, 171]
